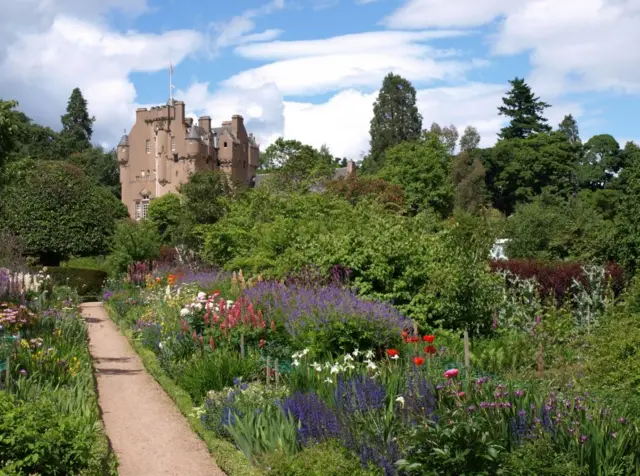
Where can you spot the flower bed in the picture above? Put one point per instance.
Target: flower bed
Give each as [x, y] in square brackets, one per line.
[293, 369]
[49, 416]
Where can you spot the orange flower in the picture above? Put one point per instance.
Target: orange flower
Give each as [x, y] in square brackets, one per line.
[429, 339]
[418, 361]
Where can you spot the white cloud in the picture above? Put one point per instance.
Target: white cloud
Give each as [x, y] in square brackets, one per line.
[41, 68]
[448, 13]
[238, 30]
[358, 60]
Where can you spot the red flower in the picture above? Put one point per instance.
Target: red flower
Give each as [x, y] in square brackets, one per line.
[262, 343]
[392, 352]
[404, 334]
[430, 349]
[211, 343]
[418, 361]
[461, 394]
[429, 339]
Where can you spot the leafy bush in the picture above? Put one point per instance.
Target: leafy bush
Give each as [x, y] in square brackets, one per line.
[356, 189]
[166, 214]
[324, 459]
[36, 438]
[539, 458]
[57, 212]
[134, 242]
[88, 282]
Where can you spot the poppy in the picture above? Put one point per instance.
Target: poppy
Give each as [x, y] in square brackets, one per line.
[430, 349]
[392, 352]
[429, 339]
[418, 361]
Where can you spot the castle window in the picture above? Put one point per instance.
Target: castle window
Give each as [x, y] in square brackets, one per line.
[142, 207]
[173, 144]
[225, 144]
[148, 146]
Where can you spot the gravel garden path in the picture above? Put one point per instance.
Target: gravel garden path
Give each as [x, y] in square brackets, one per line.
[148, 433]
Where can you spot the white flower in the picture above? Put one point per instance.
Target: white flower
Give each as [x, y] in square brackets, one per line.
[328, 380]
[304, 352]
[371, 365]
[350, 366]
[184, 312]
[197, 306]
[369, 354]
[296, 355]
[356, 352]
[160, 345]
[327, 365]
[395, 357]
[317, 367]
[202, 296]
[295, 362]
[208, 306]
[400, 400]
[230, 303]
[348, 358]
[335, 369]
[167, 291]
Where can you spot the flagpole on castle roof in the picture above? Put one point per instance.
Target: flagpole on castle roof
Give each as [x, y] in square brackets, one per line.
[170, 83]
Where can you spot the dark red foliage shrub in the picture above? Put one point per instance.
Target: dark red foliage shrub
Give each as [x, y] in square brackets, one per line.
[556, 277]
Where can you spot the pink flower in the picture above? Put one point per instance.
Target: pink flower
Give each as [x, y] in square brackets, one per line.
[451, 373]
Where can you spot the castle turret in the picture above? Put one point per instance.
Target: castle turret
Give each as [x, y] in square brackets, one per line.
[123, 150]
[161, 156]
[193, 143]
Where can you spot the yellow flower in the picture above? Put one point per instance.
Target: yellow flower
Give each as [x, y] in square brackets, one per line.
[24, 343]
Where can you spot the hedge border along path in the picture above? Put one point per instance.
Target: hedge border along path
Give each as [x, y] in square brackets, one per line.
[225, 454]
[147, 433]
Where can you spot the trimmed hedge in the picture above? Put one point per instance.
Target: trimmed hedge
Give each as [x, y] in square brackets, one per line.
[225, 455]
[88, 282]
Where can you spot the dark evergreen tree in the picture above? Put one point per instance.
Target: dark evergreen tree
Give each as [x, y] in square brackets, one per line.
[569, 127]
[524, 110]
[470, 139]
[470, 192]
[395, 119]
[77, 125]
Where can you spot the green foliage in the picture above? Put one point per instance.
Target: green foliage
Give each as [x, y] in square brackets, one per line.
[470, 139]
[87, 282]
[215, 371]
[447, 135]
[36, 438]
[539, 458]
[133, 242]
[56, 211]
[77, 125]
[166, 214]
[356, 189]
[454, 447]
[395, 120]
[524, 110]
[204, 196]
[470, 193]
[552, 228]
[569, 127]
[519, 169]
[8, 128]
[324, 459]
[600, 162]
[423, 169]
[100, 167]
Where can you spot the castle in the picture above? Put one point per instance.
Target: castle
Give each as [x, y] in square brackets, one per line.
[164, 148]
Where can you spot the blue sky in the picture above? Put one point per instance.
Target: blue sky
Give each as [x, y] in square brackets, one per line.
[310, 69]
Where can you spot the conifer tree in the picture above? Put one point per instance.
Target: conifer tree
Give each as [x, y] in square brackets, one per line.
[395, 119]
[525, 111]
[569, 127]
[77, 125]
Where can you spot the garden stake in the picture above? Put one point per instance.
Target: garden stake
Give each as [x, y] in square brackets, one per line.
[466, 352]
[275, 368]
[242, 345]
[268, 366]
[540, 360]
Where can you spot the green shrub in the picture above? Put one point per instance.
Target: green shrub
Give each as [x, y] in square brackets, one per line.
[87, 282]
[539, 458]
[36, 439]
[134, 242]
[325, 459]
[215, 371]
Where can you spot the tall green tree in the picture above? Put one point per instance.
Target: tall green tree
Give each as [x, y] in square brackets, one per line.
[8, 129]
[470, 139]
[519, 169]
[599, 163]
[395, 120]
[470, 192]
[569, 127]
[100, 166]
[447, 135]
[423, 169]
[77, 124]
[524, 110]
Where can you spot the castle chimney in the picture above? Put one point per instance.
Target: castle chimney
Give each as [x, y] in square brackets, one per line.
[237, 122]
[205, 123]
[351, 168]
